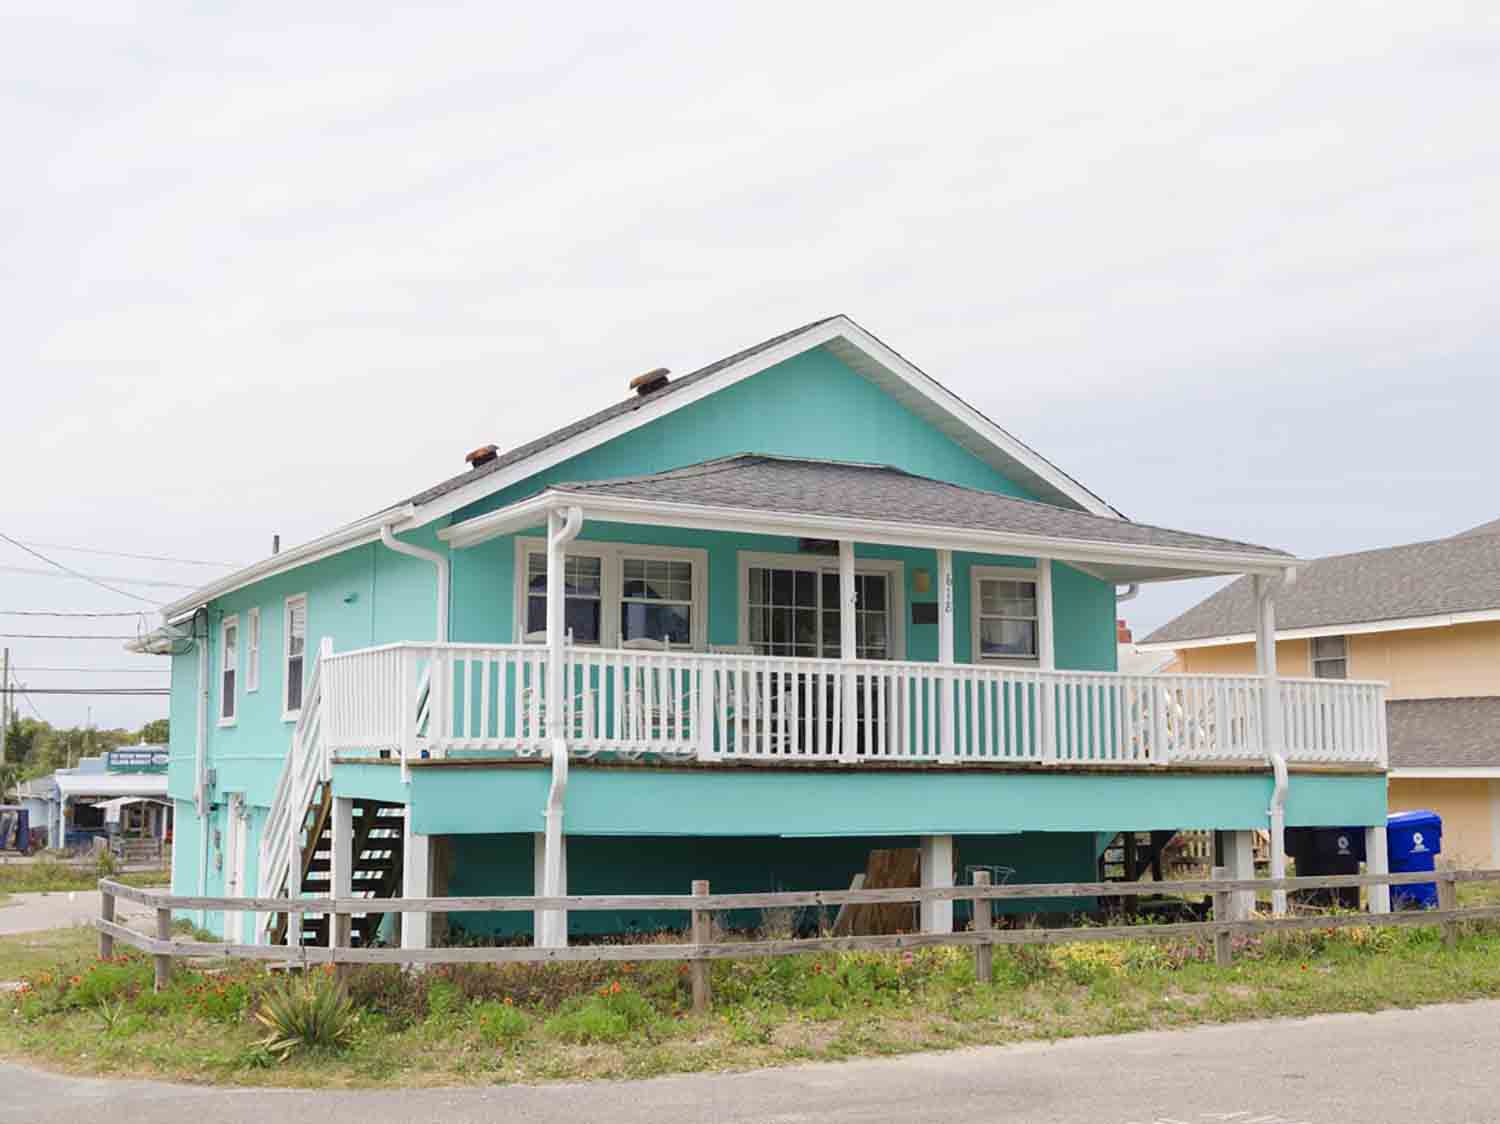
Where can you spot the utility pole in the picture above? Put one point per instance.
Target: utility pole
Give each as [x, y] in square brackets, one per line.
[4, 702]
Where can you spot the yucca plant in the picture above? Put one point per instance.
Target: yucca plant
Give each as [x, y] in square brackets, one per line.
[309, 1013]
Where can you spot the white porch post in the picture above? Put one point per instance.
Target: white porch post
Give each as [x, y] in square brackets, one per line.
[541, 919]
[1046, 660]
[1378, 861]
[848, 606]
[341, 868]
[1239, 860]
[948, 750]
[416, 882]
[1271, 728]
[937, 870]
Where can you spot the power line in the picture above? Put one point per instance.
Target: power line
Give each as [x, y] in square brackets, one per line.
[61, 636]
[125, 554]
[35, 572]
[75, 573]
[69, 613]
[101, 670]
[143, 691]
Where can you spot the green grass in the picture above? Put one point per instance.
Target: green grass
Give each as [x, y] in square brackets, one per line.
[49, 875]
[520, 1022]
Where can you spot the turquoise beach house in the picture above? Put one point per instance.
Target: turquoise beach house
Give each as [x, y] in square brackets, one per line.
[744, 625]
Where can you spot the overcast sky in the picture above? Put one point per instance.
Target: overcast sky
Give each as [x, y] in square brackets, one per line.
[1234, 267]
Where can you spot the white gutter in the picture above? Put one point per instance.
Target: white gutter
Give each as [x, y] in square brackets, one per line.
[1132, 591]
[530, 512]
[563, 527]
[438, 560]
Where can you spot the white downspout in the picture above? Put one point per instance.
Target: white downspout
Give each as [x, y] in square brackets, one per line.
[200, 791]
[562, 528]
[1271, 724]
[1129, 593]
[438, 560]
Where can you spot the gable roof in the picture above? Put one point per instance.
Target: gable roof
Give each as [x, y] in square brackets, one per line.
[1459, 733]
[1425, 583]
[841, 336]
[873, 503]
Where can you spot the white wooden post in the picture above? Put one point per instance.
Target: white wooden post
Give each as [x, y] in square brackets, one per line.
[416, 882]
[946, 686]
[341, 869]
[1271, 727]
[1239, 861]
[1046, 660]
[546, 923]
[1378, 861]
[848, 606]
[937, 871]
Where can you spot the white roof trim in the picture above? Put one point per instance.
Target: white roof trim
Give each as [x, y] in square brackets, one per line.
[1442, 773]
[1399, 624]
[111, 784]
[532, 511]
[410, 516]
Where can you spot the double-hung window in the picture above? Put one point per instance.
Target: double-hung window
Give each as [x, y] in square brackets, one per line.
[583, 597]
[1006, 624]
[1330, 657]
[252, 650]
[229, 662]
[615, 594]
[294, 649]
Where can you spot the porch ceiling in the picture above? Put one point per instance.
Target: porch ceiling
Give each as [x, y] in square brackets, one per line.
[758, 494]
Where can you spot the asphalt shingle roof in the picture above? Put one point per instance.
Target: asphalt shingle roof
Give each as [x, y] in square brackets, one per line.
[879, 492]
[1444, 733]
[1454, 575]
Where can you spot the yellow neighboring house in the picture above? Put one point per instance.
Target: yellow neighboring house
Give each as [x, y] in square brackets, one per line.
[1424, 618]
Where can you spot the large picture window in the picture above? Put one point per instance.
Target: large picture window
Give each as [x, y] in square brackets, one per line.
[1006, 624]
[792, 608]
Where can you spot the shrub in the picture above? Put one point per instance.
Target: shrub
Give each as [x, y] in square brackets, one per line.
[310, 1013]
[384, 989]
[443, 999]
[610, 1015]
[500, 1023]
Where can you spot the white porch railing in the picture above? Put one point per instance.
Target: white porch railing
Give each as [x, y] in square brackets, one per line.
[424, 700]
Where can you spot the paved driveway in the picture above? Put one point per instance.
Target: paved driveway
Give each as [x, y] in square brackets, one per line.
[30, 913]
[1398, 1067]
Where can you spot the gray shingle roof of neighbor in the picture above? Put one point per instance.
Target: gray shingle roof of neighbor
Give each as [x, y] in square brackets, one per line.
[619, 409]
[1454, 575]
[789, 485]
[1444, 733]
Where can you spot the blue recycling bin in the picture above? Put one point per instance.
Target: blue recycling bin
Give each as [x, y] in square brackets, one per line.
[1415, 839]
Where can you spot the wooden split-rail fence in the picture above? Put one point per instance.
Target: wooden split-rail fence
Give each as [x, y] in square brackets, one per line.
[701, 905]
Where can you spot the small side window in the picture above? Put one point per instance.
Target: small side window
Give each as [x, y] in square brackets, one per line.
[252, 651]
[1330, 657]
[294, 633]
[229, 661]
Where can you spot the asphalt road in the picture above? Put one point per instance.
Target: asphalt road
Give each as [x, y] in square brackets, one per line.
[1437, 1065]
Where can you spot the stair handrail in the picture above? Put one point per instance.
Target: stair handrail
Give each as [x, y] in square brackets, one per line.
[307, 765]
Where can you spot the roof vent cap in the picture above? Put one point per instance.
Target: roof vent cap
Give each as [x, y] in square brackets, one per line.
[482, 455]
[650, 381]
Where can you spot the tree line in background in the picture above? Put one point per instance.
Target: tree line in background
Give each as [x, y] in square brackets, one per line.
[34, 748]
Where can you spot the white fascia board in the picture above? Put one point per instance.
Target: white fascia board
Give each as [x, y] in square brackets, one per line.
[816, 336]
[1440, 773]
[355, 534]
[1361, 628]
[619, 509]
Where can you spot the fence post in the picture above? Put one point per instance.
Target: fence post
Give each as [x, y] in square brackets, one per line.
[163, 959]
[699, 968]
[1447, 889]
[984, 954]
[1223, 946]
[106, 913]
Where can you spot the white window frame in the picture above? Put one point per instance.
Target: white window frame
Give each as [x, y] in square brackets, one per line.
[612, 557]
[252, 650]
[287, 714]
[229, 652]
[893, 570]
[1313, 660]
[978, 574]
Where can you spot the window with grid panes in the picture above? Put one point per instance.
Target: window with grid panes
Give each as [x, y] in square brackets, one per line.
[656, 600]
[1007, 619]
[582, 596]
